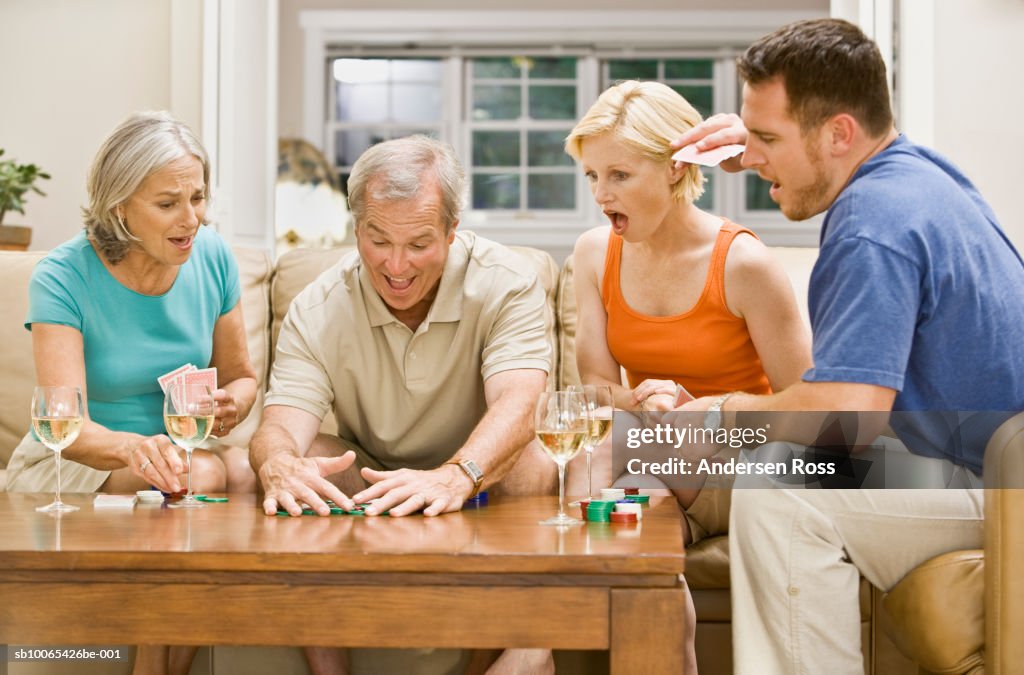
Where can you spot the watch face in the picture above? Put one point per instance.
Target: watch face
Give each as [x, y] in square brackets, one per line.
[473, 470]
[713, 420]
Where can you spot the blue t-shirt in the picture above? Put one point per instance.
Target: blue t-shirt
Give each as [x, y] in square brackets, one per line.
[917, 289]
[131, 339]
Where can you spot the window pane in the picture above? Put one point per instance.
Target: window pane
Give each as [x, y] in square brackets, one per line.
[707, 200]
[362, 102]
[758, 198]
[357, 71]
[350, 143]
[552, 103]
[495, 148]
[495, 67]
[415, 102]
[688, 69]
[552, 192]
[496, 103]
[700, 97]
[416, 70]
[564, 68]
[496, 191]
[619, 69]
[546, 148]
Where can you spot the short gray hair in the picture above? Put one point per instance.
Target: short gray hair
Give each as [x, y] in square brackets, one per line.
[397, 168]
[140, 146]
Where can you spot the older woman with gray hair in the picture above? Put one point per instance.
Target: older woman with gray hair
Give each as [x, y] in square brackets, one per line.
[143, 289]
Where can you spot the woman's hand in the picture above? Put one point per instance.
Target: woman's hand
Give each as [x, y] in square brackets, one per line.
[226, 411]
[157, 461]
[648, 388]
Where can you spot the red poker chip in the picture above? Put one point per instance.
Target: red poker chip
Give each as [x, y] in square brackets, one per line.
[632, 491]
[623, 517]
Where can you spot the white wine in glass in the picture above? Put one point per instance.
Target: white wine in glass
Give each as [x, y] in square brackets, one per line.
[562, 427]
[598, 398]
[57, 418]
[188, 418]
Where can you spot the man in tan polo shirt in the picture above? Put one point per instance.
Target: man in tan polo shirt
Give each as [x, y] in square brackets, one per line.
[431, 348]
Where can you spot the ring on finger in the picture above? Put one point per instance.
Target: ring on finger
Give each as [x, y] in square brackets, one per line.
[220, 428]
[144, 466]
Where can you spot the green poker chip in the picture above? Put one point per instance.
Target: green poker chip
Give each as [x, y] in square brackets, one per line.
[211, 500]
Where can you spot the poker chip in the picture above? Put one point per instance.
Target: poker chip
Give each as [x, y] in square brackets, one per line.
[624, 517]
[150, 496]
[211, 500]
[612, 494]
[599, 511]
[630, 507]
[639, 499]
[632, 491]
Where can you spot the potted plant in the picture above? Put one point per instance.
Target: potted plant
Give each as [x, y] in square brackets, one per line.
[15, 180]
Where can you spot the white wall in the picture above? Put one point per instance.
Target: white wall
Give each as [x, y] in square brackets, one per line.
[979, 55]
[72, 71]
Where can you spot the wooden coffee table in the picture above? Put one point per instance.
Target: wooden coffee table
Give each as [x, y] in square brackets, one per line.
[227, 574]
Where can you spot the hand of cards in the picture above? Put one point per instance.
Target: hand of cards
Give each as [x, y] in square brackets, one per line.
[186, 375]
[189, 374]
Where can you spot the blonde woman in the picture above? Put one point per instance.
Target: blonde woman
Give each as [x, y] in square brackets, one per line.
[670, 293]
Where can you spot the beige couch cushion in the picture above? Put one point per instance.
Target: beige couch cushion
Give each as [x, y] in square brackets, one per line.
[19, 376]
[255, 272]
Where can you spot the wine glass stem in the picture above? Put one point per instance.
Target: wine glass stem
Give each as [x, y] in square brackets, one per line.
[56, 458]
[188, 470]
[590, 478]
[561, 490]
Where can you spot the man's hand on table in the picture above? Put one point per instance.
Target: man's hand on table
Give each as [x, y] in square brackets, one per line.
[288, 480]
[441, 490]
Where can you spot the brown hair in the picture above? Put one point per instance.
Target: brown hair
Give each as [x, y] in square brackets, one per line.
[828, 66]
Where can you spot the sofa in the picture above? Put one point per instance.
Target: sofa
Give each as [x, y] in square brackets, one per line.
[942, 637]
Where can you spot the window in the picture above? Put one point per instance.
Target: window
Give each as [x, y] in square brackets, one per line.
[505, 95]
[520, 109]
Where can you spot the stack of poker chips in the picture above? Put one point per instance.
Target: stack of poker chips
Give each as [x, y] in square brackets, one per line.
[626, 510]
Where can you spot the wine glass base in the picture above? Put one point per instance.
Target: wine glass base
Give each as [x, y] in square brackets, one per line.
[57, 507]
[561, 519]
[186, 503]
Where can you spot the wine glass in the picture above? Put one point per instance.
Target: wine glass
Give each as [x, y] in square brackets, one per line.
[188, 417]
[57, 416]
[562, 426]
[598, 400]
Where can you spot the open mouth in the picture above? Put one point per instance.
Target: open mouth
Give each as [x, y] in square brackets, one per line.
[619, 221]
[399, 283]
[183, 243]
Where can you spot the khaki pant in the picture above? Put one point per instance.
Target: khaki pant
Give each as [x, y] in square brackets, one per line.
[796, 557]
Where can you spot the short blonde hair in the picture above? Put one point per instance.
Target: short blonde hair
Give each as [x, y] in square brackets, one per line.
[140, 146]
[646, 117]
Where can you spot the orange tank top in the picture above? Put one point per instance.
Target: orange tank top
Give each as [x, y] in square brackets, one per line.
[707, 349]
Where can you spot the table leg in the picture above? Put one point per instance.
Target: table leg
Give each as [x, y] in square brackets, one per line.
[647, 629]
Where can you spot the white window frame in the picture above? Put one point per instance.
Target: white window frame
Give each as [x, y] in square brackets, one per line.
[632, 32]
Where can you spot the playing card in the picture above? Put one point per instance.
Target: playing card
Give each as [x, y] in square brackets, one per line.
[713, 157]
[167, 378]
[207, 376]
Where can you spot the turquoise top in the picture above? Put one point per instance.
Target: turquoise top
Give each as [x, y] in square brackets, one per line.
[131, 339]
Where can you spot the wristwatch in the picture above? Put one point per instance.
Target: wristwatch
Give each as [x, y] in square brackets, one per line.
[473, 471]
[713, 417]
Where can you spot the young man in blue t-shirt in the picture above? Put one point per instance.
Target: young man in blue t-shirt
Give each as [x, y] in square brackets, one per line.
[913, 301]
